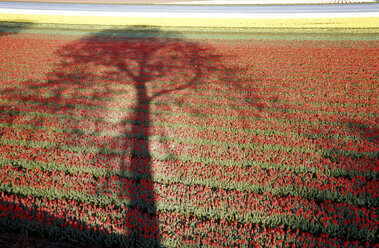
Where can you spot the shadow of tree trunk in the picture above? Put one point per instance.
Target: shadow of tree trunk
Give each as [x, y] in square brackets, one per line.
[145, 69]
[143, 62]
[142, 71]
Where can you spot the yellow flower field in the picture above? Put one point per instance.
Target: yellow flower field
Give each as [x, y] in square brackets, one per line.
[353, 25]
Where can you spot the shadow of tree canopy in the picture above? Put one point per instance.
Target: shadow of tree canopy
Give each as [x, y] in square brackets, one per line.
[9, 27]
[122, 76]
[103, 93]
[149, 67]
[99, 62]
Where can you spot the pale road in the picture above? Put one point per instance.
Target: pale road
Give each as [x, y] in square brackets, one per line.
[200, 2]
[330, 8]
[194, 11]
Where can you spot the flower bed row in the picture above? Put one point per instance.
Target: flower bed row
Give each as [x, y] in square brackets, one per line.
[368, 145]
[357, 190]
[265, 149]
[238, 138]
[65, 114]
[323, 113]
[160, 141]
[262, 98]
[83, 222]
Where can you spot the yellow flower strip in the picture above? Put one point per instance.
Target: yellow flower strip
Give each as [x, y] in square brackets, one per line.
[353, 25]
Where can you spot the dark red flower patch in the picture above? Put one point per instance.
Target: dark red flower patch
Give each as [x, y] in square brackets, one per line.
[171, 141]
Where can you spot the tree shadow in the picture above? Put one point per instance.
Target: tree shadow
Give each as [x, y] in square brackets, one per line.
[106, 89]
[366, 155]
[10, 27]
[130, 74]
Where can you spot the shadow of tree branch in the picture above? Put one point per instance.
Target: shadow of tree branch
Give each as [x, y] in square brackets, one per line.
[142, 70]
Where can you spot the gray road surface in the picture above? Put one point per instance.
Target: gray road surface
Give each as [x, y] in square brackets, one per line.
[335, 8]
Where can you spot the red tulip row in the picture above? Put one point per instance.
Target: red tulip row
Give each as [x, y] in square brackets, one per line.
[235, 145]
[159, 170]
[370, 132]
[236, 138]
[175, 228]
[261, 99]
[283, 155]
[368, 145]
[356, 186]
[240, 126]
[330, 59]
[245, 207]
[93, 222]
[55, 81]
[278, 112]
[321, 142]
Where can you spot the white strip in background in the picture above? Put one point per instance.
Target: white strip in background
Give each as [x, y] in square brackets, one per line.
[191, 15]
[234, 2]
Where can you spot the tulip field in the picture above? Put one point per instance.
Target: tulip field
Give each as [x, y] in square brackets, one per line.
[164, 140]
